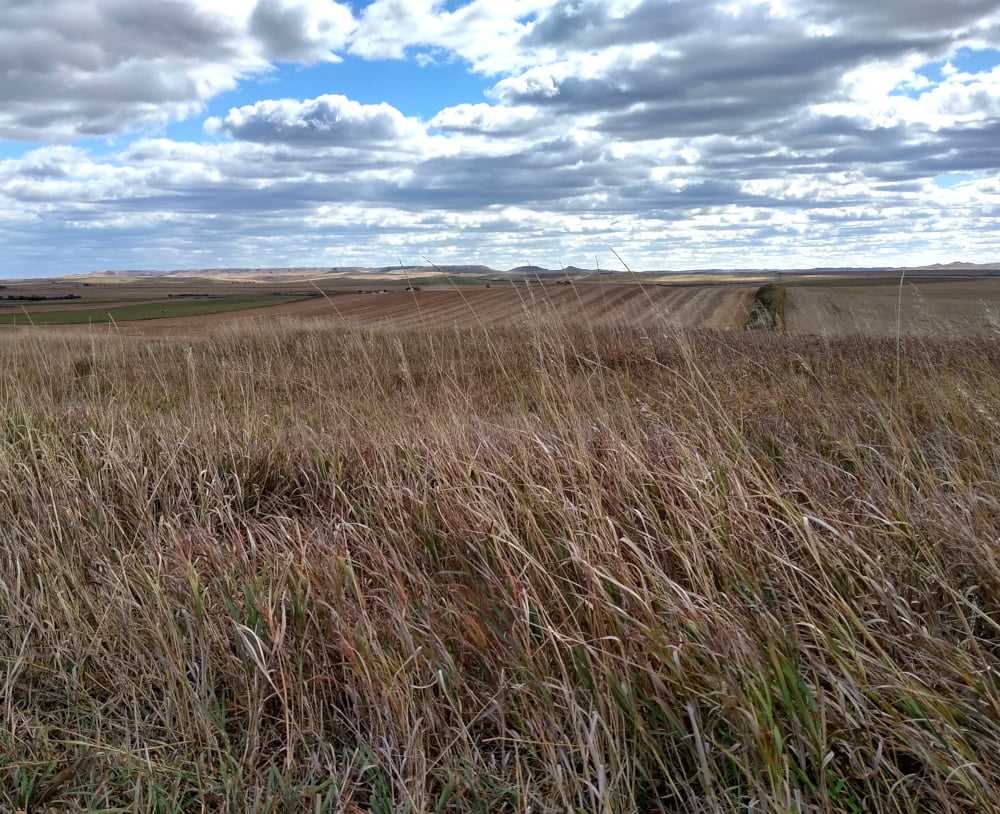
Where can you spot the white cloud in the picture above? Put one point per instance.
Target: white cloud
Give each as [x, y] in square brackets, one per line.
[491, 120]
[486, 33]
[959, 99]
[330, 120]
[683, 132]
[303, 31]
[79, 68]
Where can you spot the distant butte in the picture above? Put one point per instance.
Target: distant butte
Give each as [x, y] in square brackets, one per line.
[263, 274]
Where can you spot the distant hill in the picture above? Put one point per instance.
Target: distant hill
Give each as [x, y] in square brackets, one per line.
[958, 266]
[302, 271]
[518, 272]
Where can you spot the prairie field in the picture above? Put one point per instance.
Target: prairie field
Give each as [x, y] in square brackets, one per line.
[621, 564]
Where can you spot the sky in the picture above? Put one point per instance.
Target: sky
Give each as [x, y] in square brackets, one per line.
[172, 134]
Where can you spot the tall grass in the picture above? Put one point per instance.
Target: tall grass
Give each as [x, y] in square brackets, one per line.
[554, 569]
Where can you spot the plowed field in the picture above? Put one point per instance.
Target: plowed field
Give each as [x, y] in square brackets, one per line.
[967, 307]
[681, 306]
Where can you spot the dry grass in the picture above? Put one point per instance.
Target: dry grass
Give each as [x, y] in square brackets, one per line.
[537, 569]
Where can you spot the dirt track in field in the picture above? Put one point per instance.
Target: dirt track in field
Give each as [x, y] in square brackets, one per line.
[955, 309]
[682, 306]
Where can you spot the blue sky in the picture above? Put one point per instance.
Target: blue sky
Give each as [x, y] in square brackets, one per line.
[681, 133]
[970, 62]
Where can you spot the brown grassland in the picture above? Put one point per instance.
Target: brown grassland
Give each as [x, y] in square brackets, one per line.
[503, 550]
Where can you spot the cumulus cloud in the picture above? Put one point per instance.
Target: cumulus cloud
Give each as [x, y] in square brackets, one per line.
[735, 70]
[330, 120]
[491, 120]
[901, 18]
[303, 31]
[588, 24]
[685, 132]
[79, 68]
[486, 33]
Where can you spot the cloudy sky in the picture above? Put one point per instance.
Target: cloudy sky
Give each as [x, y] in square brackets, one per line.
[683, 133]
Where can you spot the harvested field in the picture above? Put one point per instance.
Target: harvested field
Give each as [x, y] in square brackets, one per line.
[944, 309]
[958, 308]
[502, 304]
[139, 311]
[18, 309]
[507, 304]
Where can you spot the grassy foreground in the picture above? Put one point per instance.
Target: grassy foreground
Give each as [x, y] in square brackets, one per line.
[610, 570]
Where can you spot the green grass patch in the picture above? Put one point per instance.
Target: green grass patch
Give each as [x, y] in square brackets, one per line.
[768, 311]
[150, 310]
[772, 296]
